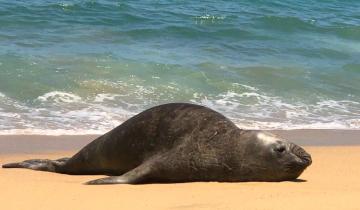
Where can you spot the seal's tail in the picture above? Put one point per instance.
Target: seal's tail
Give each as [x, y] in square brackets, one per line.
[39, 164]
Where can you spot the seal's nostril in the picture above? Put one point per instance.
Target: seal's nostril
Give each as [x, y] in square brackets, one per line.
[307, 158]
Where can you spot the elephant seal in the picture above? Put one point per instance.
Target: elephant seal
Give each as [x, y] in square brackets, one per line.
[180, 142]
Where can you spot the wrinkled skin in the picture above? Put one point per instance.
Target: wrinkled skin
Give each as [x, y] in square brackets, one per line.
[273, 159]
[181, 142]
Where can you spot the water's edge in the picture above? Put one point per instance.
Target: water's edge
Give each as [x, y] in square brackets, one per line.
[29, 144]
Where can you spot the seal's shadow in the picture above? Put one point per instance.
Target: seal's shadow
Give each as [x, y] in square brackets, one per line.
[298, 180]
[149, 182]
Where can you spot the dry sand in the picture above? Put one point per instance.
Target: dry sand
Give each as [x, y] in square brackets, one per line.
[332, 182]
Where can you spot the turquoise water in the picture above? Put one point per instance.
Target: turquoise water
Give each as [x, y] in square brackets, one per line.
[75, 67]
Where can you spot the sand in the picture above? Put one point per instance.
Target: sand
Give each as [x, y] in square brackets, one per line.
[332, 182]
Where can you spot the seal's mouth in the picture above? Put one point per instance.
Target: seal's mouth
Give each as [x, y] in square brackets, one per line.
[305, 158]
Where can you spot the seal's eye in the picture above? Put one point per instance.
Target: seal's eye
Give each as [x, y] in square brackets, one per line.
[280, 149]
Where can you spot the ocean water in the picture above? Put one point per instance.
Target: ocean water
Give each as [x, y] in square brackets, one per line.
[83, 67]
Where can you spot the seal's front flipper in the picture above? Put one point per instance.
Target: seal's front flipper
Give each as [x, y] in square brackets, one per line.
[39, 164]
[109, 180]
[137, 175]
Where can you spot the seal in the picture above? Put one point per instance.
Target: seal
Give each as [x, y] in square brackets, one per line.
[180, 142]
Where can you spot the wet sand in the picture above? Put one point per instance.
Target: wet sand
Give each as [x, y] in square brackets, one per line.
[331, 182]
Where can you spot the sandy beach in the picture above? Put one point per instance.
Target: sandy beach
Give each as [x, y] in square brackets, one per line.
[331, 182]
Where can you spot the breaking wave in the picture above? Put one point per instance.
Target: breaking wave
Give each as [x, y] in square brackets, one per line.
[63, 113]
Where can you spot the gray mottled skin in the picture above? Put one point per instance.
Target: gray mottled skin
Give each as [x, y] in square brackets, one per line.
[181, 142]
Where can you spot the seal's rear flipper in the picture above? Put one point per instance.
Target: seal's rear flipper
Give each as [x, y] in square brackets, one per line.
[135, 176]
[39, 164]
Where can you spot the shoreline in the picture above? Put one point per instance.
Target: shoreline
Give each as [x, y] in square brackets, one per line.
[27, 144]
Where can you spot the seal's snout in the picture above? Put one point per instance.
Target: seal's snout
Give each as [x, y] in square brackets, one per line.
[301, 153]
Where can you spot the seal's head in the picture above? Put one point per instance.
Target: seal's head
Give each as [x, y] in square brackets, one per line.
[275, 159]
